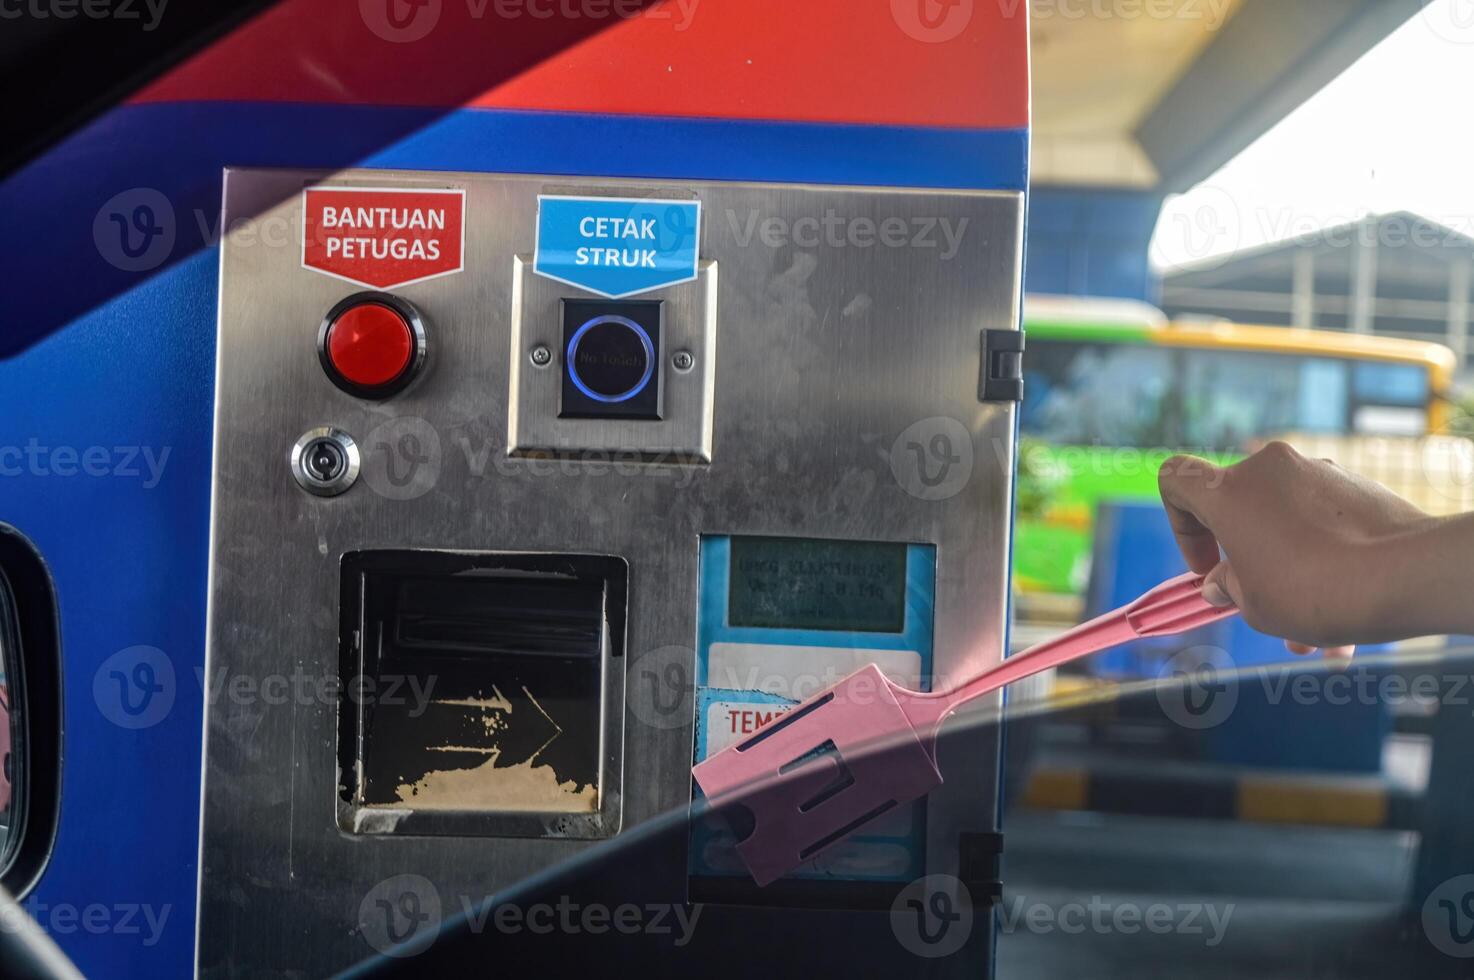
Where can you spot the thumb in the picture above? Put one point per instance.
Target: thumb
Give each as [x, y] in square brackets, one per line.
[1189, 481]
[1187, 485]
[1221, 587]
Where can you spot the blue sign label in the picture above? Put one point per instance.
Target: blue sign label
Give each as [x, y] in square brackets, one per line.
[617, 246]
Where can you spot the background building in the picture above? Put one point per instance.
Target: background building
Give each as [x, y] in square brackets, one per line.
[1395, 274]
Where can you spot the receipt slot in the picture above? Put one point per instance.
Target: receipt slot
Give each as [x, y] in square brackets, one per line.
[482, 694]
[621, 516]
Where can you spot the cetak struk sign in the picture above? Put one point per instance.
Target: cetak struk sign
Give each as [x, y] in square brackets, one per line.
[383, 237]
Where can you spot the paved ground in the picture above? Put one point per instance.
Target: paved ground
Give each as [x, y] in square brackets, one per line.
[1090, 897]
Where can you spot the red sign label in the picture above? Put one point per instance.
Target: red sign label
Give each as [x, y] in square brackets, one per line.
[745, 721]
[383, 237]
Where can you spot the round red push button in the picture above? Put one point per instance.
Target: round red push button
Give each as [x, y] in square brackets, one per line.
[370, 345]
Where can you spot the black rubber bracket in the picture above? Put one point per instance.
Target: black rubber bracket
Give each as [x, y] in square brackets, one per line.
[1002, 376]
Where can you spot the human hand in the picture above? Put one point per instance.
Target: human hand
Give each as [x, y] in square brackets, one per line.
[1310, 552]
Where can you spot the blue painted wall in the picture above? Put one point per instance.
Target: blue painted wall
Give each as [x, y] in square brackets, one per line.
[1091, 242]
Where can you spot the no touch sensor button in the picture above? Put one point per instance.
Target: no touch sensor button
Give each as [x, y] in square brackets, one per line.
[611, 360]
[325, 461]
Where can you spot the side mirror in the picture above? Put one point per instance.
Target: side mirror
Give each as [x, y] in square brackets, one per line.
[30, 713]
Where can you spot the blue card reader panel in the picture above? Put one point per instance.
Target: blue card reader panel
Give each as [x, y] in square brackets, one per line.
[782, 619]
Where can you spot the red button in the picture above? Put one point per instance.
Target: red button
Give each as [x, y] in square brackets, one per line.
[370, 345]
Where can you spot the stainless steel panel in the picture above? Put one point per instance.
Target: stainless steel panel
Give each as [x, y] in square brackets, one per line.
[843, 359]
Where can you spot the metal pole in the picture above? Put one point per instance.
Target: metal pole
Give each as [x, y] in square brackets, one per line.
[1458, 306]
[1303, 308]
[1364, 278]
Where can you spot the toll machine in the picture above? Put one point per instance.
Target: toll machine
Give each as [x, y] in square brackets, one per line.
[564, 484]
[545, 486]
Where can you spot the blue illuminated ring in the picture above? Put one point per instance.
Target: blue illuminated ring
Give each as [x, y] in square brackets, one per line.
[645, 342]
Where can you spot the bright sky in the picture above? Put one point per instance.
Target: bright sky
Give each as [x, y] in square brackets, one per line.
[1393, 133]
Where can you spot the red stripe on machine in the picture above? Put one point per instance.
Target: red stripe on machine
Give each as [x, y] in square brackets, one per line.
[952, 63]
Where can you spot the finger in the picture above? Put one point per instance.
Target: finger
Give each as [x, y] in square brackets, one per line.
[1300, 649]
[1186, 484]
[1339, 653]
[1221, 587]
